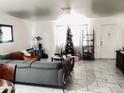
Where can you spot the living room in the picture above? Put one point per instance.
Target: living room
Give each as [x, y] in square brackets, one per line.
[44, 18]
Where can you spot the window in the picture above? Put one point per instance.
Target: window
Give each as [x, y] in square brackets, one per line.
[6, 34]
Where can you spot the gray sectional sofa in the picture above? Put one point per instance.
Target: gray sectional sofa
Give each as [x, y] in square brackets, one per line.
[42, 72]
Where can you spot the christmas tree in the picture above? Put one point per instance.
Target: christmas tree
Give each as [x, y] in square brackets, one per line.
[69, 48]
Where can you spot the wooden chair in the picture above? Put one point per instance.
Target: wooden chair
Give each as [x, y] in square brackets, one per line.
[7, 72]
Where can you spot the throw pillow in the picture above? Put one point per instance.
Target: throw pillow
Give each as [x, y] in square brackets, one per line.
[31, 58]
[6, 56]
[17, 55]
[26, 53]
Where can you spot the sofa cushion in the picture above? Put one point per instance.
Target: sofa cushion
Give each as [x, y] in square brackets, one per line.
[45, 65]
[26, 53]
[45, 60]
[4, 61]
[17, 55]
[20, 63]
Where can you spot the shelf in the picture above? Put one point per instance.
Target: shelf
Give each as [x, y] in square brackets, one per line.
[88, 34]
[88, 46]
[89, 40]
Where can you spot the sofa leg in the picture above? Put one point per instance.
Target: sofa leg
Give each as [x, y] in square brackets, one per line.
[63, 89]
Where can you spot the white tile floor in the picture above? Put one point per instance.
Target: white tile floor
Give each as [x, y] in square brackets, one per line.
[98, 76]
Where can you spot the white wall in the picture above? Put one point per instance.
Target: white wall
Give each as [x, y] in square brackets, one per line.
[25, 30]
[122, 31]
[46, 29]
[96, 25]
[21, 33]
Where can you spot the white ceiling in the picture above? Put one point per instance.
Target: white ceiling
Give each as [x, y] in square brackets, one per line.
[51, 9]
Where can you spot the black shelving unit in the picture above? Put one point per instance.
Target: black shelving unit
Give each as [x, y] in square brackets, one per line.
[88, 45]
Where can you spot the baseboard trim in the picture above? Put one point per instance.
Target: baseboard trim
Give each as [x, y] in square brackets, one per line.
[34, 84]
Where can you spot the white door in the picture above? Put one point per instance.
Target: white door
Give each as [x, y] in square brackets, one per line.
[108, 41]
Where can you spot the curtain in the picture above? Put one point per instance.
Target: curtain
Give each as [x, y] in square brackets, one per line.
[61, 34]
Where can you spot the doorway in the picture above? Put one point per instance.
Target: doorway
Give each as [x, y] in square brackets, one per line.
[108, 41]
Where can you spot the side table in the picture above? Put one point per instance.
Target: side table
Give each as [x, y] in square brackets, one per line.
[72, 60]
[56, 58]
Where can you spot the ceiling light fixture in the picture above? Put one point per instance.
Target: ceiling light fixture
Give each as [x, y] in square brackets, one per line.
[65, 8]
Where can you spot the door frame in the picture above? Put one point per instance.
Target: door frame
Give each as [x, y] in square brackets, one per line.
[100, 56]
